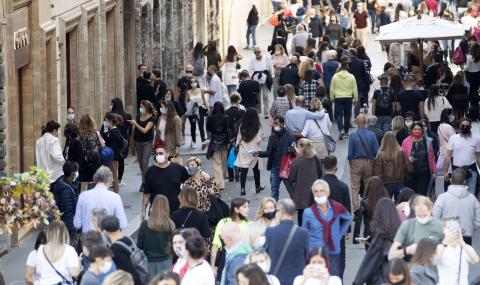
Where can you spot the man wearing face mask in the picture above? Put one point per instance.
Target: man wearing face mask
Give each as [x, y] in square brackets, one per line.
[328, 222]
[214, 87]
[261, 69]
[101, 263]
[164, 177]
[280, 144]
[410, 99]
[48, 151]
[465, 150]
[183, 84]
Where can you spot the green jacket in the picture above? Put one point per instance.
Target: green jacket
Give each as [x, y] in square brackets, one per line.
[343, 86]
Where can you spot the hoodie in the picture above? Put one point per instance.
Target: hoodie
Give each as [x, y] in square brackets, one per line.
[458, 202]
[343, 85]
[233, 260]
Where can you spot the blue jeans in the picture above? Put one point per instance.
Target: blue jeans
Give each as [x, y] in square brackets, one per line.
[334, 42]
[343, 113]
[335, 265]
[231, 89]
[394, 188]
[472, 182]
[275, 183]
[251, 31]
[384, 123]
[373, 17]
[362, 99]
[276, 5]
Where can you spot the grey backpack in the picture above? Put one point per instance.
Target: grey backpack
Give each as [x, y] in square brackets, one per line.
[138, 258]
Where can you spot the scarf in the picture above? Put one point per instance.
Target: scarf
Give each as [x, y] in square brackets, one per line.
[338, 209]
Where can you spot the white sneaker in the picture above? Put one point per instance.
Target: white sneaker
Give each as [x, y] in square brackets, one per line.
[192, 145]
[123, 184]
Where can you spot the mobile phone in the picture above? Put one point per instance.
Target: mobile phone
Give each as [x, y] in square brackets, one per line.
[362, 239]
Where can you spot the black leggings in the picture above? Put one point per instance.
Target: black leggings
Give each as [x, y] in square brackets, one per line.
[201, 124]
[121, 168]
[256, 176]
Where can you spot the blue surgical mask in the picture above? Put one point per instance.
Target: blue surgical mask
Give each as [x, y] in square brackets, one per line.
[142, 110]
[193, 170]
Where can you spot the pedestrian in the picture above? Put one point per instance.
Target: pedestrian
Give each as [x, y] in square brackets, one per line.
[391, 163]
[201, 182]
[168, 131]
[248, 142]
[342, 87]
[402, 126]
[167, 278]
[372, 124]
[280, 145]
[279, 60]
[464, 149]
[404, 200]
[125, 130]
[362, 150]
[308, 87]
[261, 69]
[304, 170]
[418, 147]
[143, 133]
[145, 89]
[397, 272]
[360, 23]
[315, 130]
[159, 87]
[423, 269]
[239, 208]
[266, 212]
[251, 274]
[99, 197]
[289, 74]
[296, 118]
[334, 30]
[230, 77]
[31, 275]
[315, 25]
[178, 241]
[299, 40]
[214, 87]
[428, 133]
[199, 272]
[263, 261]
[100, 257]
[115, 141]
[213, 56]
[252, 22]
[72, 151]
[154, 235]
[71, 115]
[454, 255]
[197, 109]
[120, 247]
[89, 135]
[281, 104]
[326, 231]
[317, 270]
[120, 277]
[249, 90]
[413, 230]
[164, 177]
[183, 84]
[237, 250]
[235, 114]
[458, 202]
[358, 69]
[198, 60]
[65, 194]
[189, 216]
[217, 125]
[290, 239]
[279, 38]
[48, 151]
[434, 105]
[384, 104]
[329, 68]
[384, 225]
[56, 251]
[411, 100]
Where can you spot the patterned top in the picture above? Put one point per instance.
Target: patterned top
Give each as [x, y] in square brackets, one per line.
[90, 142]
[308, 89]
[203, 187]
[280, 107]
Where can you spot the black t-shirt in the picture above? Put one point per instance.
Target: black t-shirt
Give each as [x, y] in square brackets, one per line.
[384, 99]
[249, 90]
[165, 181]
[121, 258]
[148, 136]
[409, 100]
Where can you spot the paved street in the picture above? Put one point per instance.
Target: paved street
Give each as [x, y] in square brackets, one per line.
[12, 264]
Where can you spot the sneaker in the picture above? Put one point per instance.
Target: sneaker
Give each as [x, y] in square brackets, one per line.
[192, 145]
[122, 184]
[259, 189]
[345, 135]
[247, 47]
[204, 144]
[340, 136]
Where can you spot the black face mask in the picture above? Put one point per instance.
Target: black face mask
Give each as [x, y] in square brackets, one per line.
[269, 216]
[241, 217]
[465, 129]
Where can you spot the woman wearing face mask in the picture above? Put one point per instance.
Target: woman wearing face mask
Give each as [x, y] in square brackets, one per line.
[143, 129]
[429, 133]
[398, 273]
[198, 272]
[334, 30]
[201, 182]
[170, 96]
[189, 216]
[419, 149]
[72, 150]
[413, 230]
[403, 203]
[230, 77]
[71, 115]
[154, 234]
[434, 105]
[327, 221]
[114, 140]
[266, 212]
[197, 107]
[239, 208]
[263, 261]
[178, 242]
[218, 126]
[424, 261]
[316, 272]
[279, 61]
[314, 130]
[168, 131]
[444, 132]
[125, 129]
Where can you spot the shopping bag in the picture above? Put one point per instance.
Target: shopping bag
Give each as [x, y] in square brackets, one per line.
[285, 165]
[232, 156]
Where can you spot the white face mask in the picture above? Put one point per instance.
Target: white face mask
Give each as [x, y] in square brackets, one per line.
[259, 242]
[264, 266]
[106, 124]
[424, 220]
[70, 117]
[163, 110]
[179, 251]
[76, 176]
[194, 84]
[408, 123]
[160, 158]
[277, 128]
[406, 210]
[312, 281]
[321, 200]
[106, 266]
[451, 118]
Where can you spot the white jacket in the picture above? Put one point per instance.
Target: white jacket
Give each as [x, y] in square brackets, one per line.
[49, 156]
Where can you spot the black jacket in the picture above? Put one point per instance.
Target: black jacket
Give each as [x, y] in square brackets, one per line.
[145, 91]
[160, 89]
[372, 267]
[114, 140]
[252, 19]
[315, 27]
[278, 146]
[249, 90]
[65, 197]
[217, 125]
[289, 75]
[234, 114]
[338, 191]
[278, 41]
[196, 219]
[378, 133]
[357, 68]
[73, 150]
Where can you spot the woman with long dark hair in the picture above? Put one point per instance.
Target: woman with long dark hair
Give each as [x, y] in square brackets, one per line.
[385, 224]
[334, 30]
[125, 129]
[252, 22]
[72, 150]
[434, 105]
[397, 273]
[422, 269]
[217, 125]
[198, 60]
[249, 139]
[230, 76]
[169, 127]
[251, 274]
[472, 71]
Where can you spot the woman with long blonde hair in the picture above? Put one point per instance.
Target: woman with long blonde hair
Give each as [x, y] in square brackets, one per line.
[154, 236]
[266, 212]
[391, 163]
[56, 256]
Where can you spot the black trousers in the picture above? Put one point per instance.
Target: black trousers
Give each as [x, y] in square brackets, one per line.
[121, 169]
[420, 181]
[200, 119]
[256, 176]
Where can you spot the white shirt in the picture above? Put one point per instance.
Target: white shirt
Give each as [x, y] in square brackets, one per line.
[47, 274]
[200, 274]
[311, 130]
[49, 156]
[451, 262]
[31, 262]
[216, 85]
[464, 149]
[265, 63]
[468, 22]
[433, 115]
[471, 65]
[334, 280]
[98, 197]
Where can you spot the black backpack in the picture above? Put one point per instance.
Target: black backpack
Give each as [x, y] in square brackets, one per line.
[124, 149]
[138, 258]
[384, 98]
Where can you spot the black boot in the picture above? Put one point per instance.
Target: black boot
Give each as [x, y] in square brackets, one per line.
[259, 189]
[237, 174]
[242, 192]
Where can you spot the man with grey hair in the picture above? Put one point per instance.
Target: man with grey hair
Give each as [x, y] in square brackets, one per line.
[357, 67]
[99, 197]
[286, 240]
[330, 67]
[261, 70]
[97, 216]
[372, 126]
